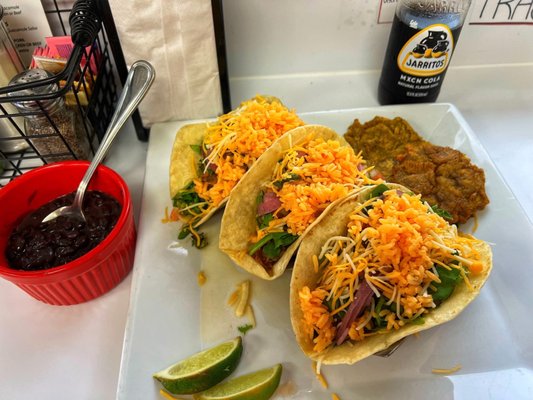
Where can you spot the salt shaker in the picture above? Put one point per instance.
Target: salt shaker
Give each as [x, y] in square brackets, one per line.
[63, 137]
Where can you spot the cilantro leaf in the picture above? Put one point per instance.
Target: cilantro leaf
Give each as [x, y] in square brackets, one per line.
[199, 244]
[378, 190]
[441, 212]
[197, 148]
[186, 198]
[244, 328]
[449, 278]
[264, 220]
[272, 244]
[292, 177]
[380, 322]
[186, 231]
[259, 198]
[418, 321]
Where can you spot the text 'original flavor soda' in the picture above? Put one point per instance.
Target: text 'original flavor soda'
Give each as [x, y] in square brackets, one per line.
[422, 39]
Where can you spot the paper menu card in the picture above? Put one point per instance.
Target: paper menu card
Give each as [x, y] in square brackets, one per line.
[27, 25]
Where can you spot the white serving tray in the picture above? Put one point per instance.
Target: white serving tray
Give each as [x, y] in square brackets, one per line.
[170, 317]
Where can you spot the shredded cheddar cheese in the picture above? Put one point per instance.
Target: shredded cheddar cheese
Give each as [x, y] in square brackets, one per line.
[394, 243]
[251, 315]
[166, 218]
[319, 376]
[240, 301]
[476, 224]
[201, 278]
[172, 217]
[446, 371]
[307, 179]
[230, 146]
[233, 298]
[244, 298]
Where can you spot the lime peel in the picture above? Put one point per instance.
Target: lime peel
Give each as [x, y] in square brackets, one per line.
[202, 370]
[259, 385]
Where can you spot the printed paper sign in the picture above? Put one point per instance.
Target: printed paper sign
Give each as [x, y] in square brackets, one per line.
[386, 11]
[27, 25]
[502, 12]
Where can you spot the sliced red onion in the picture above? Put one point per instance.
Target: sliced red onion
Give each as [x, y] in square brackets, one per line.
[269, 204]
[362, 299]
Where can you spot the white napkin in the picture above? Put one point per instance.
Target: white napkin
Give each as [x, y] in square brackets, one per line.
[177, 38]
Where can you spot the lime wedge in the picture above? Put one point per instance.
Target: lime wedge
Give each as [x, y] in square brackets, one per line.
[202, 370]
[259, 385]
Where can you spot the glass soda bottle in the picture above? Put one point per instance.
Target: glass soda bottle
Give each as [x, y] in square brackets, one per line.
[423, 37]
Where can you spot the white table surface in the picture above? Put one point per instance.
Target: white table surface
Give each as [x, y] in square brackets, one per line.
[50, 352]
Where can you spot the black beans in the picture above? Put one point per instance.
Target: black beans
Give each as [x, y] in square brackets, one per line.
[34, 245]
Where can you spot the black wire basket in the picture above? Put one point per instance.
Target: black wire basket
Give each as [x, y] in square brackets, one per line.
[89, 80]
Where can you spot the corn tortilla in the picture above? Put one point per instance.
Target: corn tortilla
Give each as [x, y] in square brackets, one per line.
[334, 223]
[239, 219]
[184, 160]
[182, 156]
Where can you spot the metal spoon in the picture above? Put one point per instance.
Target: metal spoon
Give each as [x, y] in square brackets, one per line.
[138, 82]
[391, 349]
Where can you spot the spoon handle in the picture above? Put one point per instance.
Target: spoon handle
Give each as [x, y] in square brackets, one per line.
[139, 80]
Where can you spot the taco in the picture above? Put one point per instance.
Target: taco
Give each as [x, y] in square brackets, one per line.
[378, 267]
[284, 194]
[208, 159]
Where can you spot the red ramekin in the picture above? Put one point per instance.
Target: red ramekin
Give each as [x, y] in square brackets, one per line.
[94, 273]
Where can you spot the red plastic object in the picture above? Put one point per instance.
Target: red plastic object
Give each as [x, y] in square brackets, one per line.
[94, 273]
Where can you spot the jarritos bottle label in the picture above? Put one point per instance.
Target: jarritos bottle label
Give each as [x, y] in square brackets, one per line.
[428, 52]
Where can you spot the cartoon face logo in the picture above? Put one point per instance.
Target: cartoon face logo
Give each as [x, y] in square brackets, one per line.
[433, 45]
[440, 48]
[419, 50]
[427, 52]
